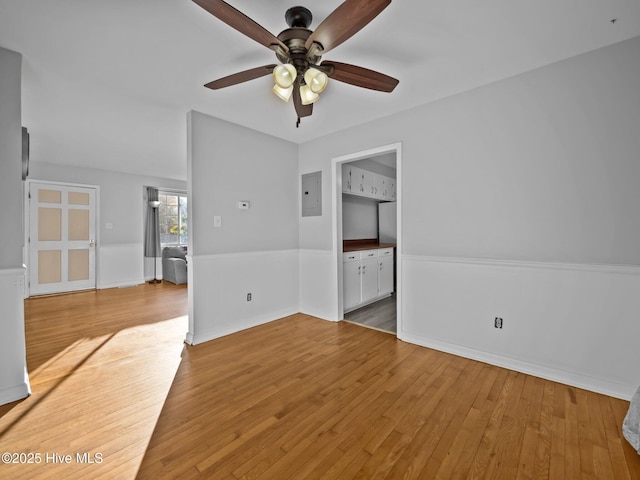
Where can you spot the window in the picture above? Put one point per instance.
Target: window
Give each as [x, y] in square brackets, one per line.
[173, 218]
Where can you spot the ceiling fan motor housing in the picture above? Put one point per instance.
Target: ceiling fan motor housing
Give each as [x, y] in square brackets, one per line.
[294, 38]
[298, 17]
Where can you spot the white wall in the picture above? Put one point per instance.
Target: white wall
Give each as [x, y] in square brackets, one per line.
[10, 158]
[359, 218]
[540, 168]
[120, 253]
[14, 382]
[253, 251]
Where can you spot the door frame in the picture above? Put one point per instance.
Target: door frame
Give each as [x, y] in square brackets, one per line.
[27, 226]
[336, 194]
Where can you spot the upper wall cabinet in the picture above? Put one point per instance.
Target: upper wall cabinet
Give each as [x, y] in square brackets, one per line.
[352, 179]
[367, 184]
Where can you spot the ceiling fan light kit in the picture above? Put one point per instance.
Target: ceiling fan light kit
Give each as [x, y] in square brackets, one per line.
[316, 79]
[307, 96]
[300, 74]
[285, 75]
[283, 93]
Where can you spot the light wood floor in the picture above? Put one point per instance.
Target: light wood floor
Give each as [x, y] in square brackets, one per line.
[296, 398]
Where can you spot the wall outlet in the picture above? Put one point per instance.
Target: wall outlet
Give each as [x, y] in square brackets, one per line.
[497, 322]
[248, 297]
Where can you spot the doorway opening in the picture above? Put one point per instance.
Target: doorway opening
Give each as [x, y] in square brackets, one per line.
[368, 237]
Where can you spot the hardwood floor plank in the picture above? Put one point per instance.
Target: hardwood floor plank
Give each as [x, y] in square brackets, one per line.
[615, 439]
[434, 417]
[297, 398]
[542, 462]
[557, 452]
[572, 447]
[495, 407]
[501, 439]
[585, 434]
[531, 403]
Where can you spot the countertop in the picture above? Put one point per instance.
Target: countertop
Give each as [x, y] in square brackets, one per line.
[364, 244]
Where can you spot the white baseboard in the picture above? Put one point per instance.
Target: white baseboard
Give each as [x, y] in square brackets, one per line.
[219, 285]
[586, 382]
[104, 286]
[230, 328]
[15, 393]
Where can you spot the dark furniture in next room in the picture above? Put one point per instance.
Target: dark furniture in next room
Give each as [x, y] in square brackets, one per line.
[174, 265]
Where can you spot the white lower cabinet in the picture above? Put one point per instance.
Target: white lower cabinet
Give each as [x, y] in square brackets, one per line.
[385, 271]
[367, 276]
[351, 269]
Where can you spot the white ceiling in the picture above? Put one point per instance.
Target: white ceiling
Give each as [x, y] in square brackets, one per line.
[107, 84]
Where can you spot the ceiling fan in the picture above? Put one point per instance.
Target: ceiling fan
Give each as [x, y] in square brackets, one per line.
[300, 73]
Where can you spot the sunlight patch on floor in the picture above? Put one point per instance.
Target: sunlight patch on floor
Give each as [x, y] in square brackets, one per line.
[100, 396]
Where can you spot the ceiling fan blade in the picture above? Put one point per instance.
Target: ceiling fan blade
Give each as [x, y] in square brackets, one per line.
[238, 20]
[345, 21]
[301, 110]
[240, 77]
[360, 77]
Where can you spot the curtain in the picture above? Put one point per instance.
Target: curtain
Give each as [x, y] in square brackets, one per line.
[631, 425]
[152, 228]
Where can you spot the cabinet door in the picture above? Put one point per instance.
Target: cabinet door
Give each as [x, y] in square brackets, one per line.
[347, 178]
[369, 278]
[352, 179]
[380, 190]
[351, 284]
[368, 183]
[385, 275]
[392, 189]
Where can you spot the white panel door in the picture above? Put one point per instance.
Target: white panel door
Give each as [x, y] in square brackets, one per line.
[62, 232]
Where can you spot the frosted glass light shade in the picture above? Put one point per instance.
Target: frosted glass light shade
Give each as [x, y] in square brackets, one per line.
[283, 93]
[307, 96]
[284, 75]
[316, 79]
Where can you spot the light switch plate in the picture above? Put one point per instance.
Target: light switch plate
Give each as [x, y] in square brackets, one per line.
[217, 221]
[244, 205]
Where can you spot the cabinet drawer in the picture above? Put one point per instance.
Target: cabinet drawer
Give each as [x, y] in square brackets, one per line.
[366, 254]
[351, 257]
[385, 252]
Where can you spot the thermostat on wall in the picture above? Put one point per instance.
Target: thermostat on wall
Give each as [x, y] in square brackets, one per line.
[243, 205]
